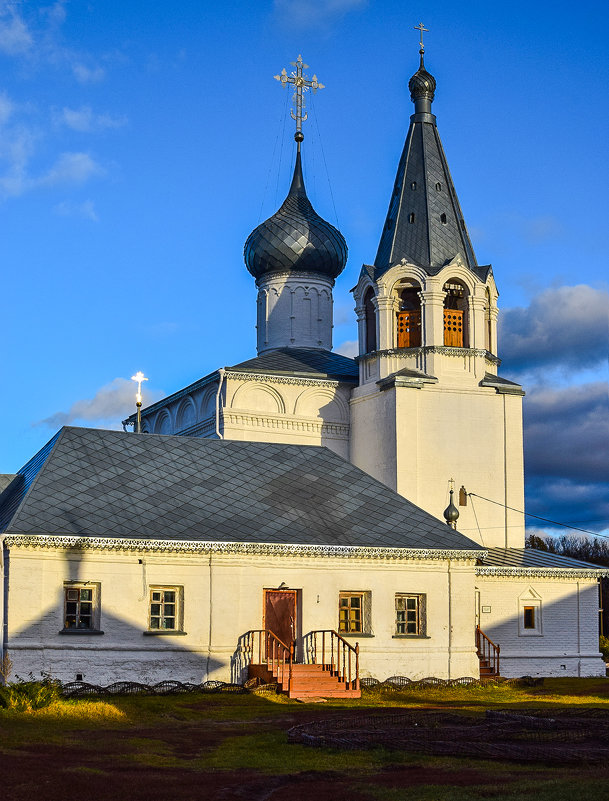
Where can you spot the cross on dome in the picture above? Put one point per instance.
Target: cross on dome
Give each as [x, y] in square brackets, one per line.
[301, 84]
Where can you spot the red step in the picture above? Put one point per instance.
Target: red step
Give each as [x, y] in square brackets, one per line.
[307, 681]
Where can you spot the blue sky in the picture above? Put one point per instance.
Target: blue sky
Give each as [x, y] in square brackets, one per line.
[141, 142]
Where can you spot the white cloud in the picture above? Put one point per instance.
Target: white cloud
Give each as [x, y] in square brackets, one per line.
[71, 168]
[85, 74]
[564, 327]
[84, 120]
[15, 36]
[541, 229]
[111, 403]
[85, 209]
[314, 13]
[349, 348]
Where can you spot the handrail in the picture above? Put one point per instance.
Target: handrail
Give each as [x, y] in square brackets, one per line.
[343, 657]
[488, 650]
[270, 650]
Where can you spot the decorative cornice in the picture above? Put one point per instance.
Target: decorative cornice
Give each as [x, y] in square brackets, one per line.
[200, 427]
[406, 353]
[285, 423]
[543, 572]
[296, 277]
[262, 548]
[283, 379]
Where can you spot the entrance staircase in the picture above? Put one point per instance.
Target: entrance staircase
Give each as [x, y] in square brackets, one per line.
[488, 655]
[330, 668]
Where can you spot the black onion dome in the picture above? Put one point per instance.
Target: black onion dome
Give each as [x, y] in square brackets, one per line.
[422, 84]
[295, 238]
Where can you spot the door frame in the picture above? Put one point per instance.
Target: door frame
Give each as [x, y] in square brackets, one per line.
[297, 612]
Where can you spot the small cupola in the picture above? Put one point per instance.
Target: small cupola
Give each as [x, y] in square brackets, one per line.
[295, 255]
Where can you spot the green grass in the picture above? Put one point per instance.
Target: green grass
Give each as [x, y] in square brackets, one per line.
[220, 734]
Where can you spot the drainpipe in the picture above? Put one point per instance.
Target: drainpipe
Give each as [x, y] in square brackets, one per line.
[221, 372]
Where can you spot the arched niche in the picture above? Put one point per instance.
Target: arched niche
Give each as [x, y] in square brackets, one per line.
[488, 321]
[406, 293]
[208, 402]
[258, 397]
[456, 311]
[323, 404]
[187, 414]
[163, 423]
[370, 343]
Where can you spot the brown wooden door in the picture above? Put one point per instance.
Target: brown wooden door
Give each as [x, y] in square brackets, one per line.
[409, 329]
[453, 328]
[280, 614]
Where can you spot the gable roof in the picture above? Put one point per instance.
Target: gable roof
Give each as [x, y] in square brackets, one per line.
[110, 484]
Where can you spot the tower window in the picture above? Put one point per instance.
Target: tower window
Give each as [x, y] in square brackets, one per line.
[370, 322]
[411, 217]
[443, 219]
[388, 224]
[438, 187]
[413, 185]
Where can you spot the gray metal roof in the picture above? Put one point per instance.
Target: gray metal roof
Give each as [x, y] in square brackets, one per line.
[111, 484]
[530, 557]
[424, 223]
[306, 362]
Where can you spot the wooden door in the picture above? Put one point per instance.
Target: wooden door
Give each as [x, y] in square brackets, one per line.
[409, 329]
[280, 614]
[453, 328]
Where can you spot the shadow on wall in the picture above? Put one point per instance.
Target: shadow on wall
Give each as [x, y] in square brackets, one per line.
[77, 637]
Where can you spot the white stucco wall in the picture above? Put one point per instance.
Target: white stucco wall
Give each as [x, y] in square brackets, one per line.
[223, 597]
[566, 641]
[416, 439]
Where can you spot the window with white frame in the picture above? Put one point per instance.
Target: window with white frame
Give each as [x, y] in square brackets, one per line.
[410, 615]
[165, 609]
[81, 606]
[354, 612]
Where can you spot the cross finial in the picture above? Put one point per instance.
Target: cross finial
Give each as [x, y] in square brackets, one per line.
[420, 27]
[139, 377]
[301, 84]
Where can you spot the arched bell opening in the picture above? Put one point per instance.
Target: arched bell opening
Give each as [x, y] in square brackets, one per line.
[408, 319]
[369, 321]
[456, 328]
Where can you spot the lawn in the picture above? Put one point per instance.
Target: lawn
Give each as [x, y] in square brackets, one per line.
[233, 746]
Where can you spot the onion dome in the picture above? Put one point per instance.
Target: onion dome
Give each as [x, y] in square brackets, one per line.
[295, 238]
[422, 84]
[451, 513]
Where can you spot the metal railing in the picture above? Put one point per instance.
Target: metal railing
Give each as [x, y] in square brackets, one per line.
[488, 651]
[262, 647]
[327, 648]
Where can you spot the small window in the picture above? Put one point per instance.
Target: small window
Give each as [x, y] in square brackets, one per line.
[529, 614]
[388, 224]
[409, 615]
[438, 187]
[81, 607]
[411, 217]
[413, 185]
[528, 621]
[443, 219]
[165, 609]
[354, 612]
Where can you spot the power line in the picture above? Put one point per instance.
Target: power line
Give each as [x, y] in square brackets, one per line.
[537, 517]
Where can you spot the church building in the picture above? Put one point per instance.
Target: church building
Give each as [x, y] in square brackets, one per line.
[289, 513]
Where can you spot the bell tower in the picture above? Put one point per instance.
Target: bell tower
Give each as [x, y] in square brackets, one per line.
[430, 404]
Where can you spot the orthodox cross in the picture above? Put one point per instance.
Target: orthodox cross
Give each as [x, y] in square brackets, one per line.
[420, 27]
[301, 84]
[139, 377]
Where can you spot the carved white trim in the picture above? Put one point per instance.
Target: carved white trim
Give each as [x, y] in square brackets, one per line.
[543, 572]
[310, 425]
[280, 379]
[264, 548]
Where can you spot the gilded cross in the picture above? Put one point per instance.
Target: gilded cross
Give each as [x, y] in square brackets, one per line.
[301, 85]
[420, 27]
[139, 377]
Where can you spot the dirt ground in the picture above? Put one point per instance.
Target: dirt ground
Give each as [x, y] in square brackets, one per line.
[187, 750]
